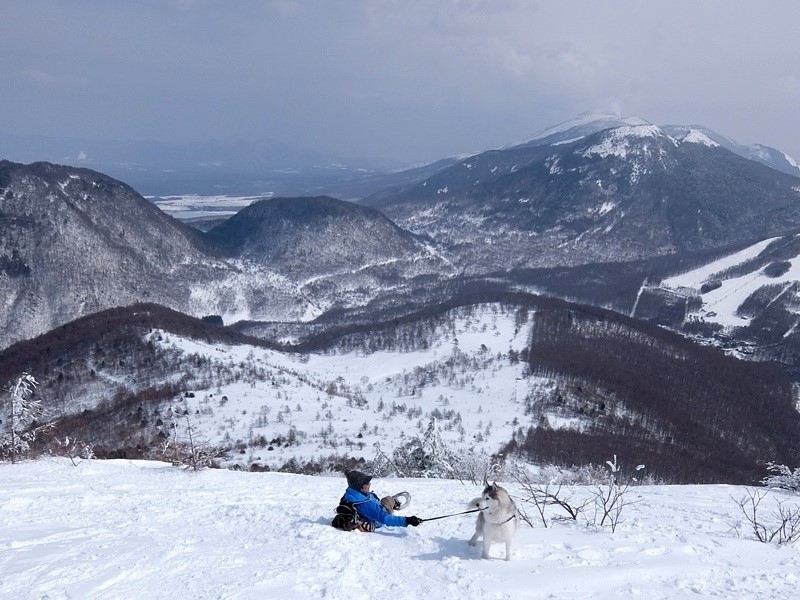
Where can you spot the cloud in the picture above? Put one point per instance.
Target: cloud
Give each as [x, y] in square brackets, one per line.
[789, 85]
[44, 78]
[416, 78]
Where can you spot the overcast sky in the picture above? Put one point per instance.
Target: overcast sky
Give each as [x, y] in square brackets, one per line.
[407, 79]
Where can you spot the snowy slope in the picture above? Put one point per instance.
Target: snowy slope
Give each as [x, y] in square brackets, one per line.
[581, 126]
[720, 305]
[123, 529]
[345, 402]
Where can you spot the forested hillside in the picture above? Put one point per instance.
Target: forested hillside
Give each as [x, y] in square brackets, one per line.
[518, 376]
[689, 412]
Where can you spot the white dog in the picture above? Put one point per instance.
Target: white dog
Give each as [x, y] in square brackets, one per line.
[498, 519]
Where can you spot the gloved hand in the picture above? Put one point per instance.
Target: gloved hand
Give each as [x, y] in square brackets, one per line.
[413, 521]
[367, 526]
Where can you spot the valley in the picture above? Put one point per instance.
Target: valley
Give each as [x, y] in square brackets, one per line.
[336, 331]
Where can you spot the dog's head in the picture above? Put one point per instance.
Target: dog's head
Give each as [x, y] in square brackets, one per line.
[490, 491]
[492, 494]
[483, 501]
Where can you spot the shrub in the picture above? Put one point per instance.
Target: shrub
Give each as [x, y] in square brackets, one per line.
[782, 526]
[21, 425]
[782, 478]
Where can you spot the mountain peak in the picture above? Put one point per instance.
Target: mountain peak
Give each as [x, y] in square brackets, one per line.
[581, 126]
[694, 135]
[315, 236]
[618, 141]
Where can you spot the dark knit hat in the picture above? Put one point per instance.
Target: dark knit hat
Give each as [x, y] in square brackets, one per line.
[356, 479]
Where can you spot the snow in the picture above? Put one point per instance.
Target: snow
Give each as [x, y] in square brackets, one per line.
[696, 277]
[132, 529]
[720, 305]
[791, 161]
[566, 142]
[698, 137]
[606, 207]
[193, 206]
[601, 120]
[760, 152]
[552, 163]
[617, 141]
[464, 372]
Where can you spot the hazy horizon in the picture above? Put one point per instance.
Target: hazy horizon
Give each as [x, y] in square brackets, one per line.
[410, 81]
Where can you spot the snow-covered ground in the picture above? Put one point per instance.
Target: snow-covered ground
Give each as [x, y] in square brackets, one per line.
[346, 402]
[193, 206]
[123, 529]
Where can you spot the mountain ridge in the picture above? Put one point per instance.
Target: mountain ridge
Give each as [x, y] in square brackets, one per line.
[589, 199]
[74, 242]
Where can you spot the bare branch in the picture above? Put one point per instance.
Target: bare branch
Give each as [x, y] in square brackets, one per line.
[782, 526]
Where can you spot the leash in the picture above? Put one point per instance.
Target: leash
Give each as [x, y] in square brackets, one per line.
[466, 512]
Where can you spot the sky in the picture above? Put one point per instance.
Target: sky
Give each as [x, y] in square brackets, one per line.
[410, 80]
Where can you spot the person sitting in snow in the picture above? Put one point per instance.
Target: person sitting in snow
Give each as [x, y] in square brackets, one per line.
[372, 512]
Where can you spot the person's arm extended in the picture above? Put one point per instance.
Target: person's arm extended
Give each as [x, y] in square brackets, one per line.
[372, 510]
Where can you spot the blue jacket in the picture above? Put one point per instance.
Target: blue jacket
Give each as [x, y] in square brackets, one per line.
[370, 508]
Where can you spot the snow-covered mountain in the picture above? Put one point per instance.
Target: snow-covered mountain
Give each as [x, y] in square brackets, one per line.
[619, 194]
[771, 157]
[375, 357]
[608, 191]
[589, 123]
[531, 378]
[320, 237]
[74, 241]
[576, 129]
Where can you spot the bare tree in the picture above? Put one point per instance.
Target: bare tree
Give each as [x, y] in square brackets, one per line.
[610, 500]
[543, 494]
[76, 450]
[782, 526]
[185, 448]
[478, 468]
[382, 462]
